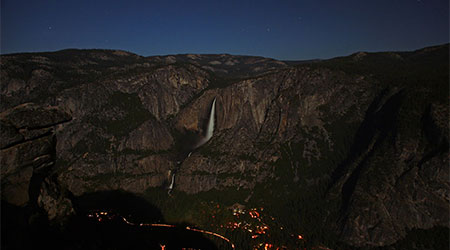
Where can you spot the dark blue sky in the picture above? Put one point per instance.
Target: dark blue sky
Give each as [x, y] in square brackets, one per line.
[302, 29]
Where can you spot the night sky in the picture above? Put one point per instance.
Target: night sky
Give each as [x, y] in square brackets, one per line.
[303, 29]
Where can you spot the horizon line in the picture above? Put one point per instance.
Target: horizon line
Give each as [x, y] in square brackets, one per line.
[224, 53]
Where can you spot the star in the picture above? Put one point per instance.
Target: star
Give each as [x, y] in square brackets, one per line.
[49, 27]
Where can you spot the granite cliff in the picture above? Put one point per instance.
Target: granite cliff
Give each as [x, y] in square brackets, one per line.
[366, 134]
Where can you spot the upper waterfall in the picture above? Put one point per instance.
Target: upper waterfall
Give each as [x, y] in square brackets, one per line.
[210, 127]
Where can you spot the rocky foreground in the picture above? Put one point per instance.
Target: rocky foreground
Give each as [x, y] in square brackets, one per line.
[367, 134]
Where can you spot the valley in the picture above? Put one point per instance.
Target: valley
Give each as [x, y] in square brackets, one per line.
[345, 153]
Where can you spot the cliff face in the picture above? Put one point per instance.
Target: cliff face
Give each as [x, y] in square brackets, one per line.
[256, 117]
[389, 181]
[28, 157]
[370, 129]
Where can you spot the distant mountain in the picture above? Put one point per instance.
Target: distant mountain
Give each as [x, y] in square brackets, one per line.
[350, 151]
[225, 64]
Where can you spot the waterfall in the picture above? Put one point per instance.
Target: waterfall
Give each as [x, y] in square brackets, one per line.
[171, 184]
[208, 135]
[210, 128]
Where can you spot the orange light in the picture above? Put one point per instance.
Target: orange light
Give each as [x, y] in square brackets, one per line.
[268, 246]
[253, 214]
[300, 237]
[254, 236]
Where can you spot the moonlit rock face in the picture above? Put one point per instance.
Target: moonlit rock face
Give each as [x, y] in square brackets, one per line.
[215, 63]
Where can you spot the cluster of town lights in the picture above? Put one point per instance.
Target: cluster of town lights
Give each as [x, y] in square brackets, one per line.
[256, 230]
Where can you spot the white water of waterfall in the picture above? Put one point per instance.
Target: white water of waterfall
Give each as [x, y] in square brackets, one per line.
[171, 184]
[210, 128]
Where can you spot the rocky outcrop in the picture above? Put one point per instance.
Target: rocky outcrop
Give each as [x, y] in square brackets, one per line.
[55, 201]
[27, 155]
